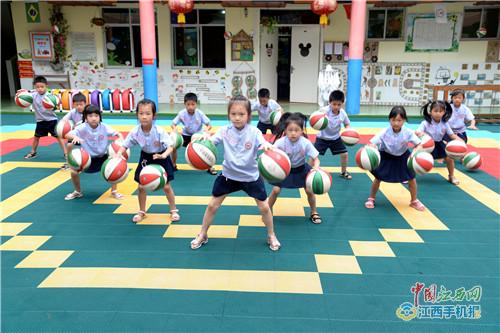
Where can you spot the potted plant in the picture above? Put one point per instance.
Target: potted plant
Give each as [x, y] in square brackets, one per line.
[270, 23]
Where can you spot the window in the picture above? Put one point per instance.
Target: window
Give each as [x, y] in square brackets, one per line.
[476, 18]
[200, 42]
[385, 24]
[122, 36]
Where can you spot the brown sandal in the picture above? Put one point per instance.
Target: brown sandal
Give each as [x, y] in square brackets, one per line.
[315, 218]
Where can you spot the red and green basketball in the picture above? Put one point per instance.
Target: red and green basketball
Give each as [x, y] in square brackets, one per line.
[274, 165]
[153, 177]
[472, 160]
[79, 159]
[350, 137]
[318, 120]
[275, 117]
[318, 181]
[177, 139]
[368, 158]
[50, 102]
[201, 154]
[420, 162]
[23, 98]
[456, 149]
[427, 143]
[197, 136]
[63, 127]
[115, 146]
[115, 170]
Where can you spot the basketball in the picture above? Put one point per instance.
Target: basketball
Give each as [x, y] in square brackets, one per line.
[472, 161]
[456, 149]
[318, 120]
[197, 136]
[115, 170]
[79, 159]
[153, 177]
[24, 99]
[420, 162]
[350, 137]
[177, 139]
[50, 102]
[274, 165]
[201, 154]
[318, 181]
[427, 143]
[115, 146]
[368, 158]
[275, 117]
[63, 127]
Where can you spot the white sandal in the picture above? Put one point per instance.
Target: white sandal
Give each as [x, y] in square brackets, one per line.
[174, 215]
[139, 216]
[117, 195]
[196, 244]
[73, 195]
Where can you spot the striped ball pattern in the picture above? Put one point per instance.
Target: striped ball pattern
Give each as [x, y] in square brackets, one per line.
[472, 160]
[427, 143]
[23, 98]
[177, 139]
[420, 162]
[197, 136]
[350, 137]
[115, 146]
[115, 170]
[50, 102]
[274, 165]
[63, 127]
[201, 154]
[368, 158]
[456, 149]
[275, 117]
[318, 120]
[318, 181]
[79, 159]
[153, 177]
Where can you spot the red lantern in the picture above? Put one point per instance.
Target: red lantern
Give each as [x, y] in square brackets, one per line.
[180, 7]
[323, 8]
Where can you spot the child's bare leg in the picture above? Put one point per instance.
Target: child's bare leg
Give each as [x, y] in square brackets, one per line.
[208, 217]
[174, 157]
[34, 144]
[343, 162]
[267, 216]
[142, 198]
[450, 165]
[311, 198]
[273, 196]
[75, 178]
[374, 188]
[169, 192]
[412, 184]
[61, 144]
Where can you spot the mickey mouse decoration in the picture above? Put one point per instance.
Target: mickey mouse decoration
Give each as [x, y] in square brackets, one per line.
[304, 50]
[269, 49]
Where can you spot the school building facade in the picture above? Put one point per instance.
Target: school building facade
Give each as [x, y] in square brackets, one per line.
[227, 48]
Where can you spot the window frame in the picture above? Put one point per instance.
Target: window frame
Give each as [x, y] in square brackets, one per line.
[199, 31]
[385, 9]
[130, 25]
[482, 8]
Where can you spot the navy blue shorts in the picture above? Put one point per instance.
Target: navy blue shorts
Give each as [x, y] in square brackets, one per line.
[336, 146]
[223, 186]
[462, 136]
[96, 163]
[264, 127]
[439, 150]
[187, 140]
[296, 178]
[44, 127]
[393, 169]
[147, 158]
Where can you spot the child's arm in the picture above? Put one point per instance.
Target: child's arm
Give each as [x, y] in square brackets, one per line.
[205, 121]
[74, 137]
[469, 117]
[176, 121]
[166, 141]
[315, 163]
[347, 122]
[164, 155]
[450, 133]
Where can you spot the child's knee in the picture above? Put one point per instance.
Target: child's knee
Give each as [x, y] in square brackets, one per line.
[276, 190]
[213, 206]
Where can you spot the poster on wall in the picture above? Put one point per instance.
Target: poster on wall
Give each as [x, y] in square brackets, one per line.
[426, 34]
[83, 46]
[41, 45]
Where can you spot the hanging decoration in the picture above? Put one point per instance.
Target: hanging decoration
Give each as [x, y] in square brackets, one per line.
[60, 30]
[323, 8]
[181, 7]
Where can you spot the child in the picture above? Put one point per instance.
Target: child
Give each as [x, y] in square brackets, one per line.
[239, 169]
[193, 120]
[330, 136]
[296, 145]
[76, 114]
[46, 120]
[436, 115]
[156, 147]
[460, 115]
[92, 135]
[393, 145]
[264, 107]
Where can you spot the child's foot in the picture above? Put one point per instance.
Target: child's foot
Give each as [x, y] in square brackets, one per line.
[212, 171]
[198, 242]
[174, 215]
[65, 166]
[30, 155]
[346, 175]
[453, 180]
[370, 203]
[73, 195]
[139, 216]
[117, 195]
[274, 243]
[417, 205]
[315, 218]
[405, 182]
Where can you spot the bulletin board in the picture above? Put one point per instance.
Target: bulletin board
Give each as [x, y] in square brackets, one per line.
[241, 47]
[41, 45]
[425, 34]
[338, 52]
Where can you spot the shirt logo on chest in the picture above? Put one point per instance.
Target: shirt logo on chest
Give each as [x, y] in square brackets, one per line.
[248, 145]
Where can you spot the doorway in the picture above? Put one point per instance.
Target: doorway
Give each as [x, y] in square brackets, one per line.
[284, 63]
[8, 53]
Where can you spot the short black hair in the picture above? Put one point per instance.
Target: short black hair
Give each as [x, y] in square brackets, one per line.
[79, 98]
[336, 95]
[89, 109]
[146, 101]
[458, 92]
[39, 79]
[190, 97]
[398, 110]
[264, 93]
